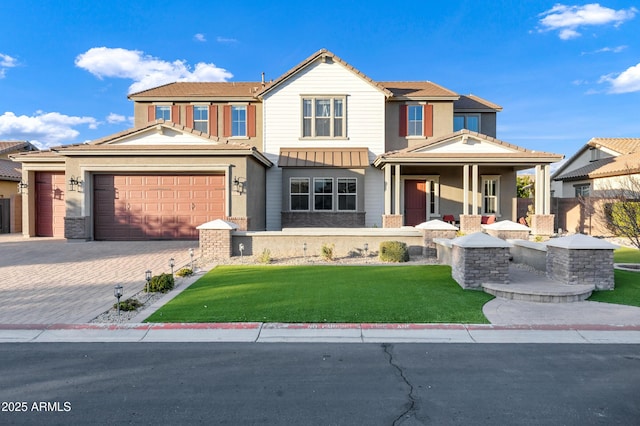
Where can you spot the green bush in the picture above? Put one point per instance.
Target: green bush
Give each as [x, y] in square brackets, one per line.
[161, 283]
[623, 218]
[394, 251]
[184, 272]
[326, 251]
[265, 257]
[128, 305]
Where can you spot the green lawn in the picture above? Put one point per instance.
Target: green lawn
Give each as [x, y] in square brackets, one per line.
[395, 294]
[627, 284]
[626, 255]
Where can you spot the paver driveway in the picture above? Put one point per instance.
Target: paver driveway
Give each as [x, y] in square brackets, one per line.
[47, 281]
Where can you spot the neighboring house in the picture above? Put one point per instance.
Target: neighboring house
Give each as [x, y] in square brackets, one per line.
[10, 189]
[321, 146]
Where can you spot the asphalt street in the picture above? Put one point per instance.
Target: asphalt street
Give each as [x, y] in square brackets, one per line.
[319, 384]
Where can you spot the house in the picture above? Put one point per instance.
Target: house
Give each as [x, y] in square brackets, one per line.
[323, 145]
[10, 188]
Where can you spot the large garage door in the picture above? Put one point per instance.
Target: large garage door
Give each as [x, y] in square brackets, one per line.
[50, 204]
[150, 207]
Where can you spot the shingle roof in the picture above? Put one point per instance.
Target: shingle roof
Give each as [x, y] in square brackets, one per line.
[201, 90]
[10, 170]
[417, 89]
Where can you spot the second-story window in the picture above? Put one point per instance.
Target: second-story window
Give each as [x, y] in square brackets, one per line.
[323, 117]
[238, 120]
[163, 112]
[466, 121]
[414, 117]
[201, 118]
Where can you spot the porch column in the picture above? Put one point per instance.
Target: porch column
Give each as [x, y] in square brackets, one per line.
[387, 189]
[397, 194]
[474, 188]
[465, 189]
[547, 189]
[539, 193]
[543, 222]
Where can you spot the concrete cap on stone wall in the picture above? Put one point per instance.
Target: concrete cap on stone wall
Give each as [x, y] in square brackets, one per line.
[480, 240]
[436, 225]
[218, 224]
[506, 225]
[581, 242]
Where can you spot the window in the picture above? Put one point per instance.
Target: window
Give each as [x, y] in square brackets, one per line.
[466, 121]
[323, 194]
[323, 117]
[490, 194]
[299, 189]
[238, 120]
[347, 191]
[415, 125]
[201, 118]
[163, 112]
[582, 190]
[434, 194]
[595, 154]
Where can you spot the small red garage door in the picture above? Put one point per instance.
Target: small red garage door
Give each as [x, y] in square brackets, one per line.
[155, 207]
[50, 204]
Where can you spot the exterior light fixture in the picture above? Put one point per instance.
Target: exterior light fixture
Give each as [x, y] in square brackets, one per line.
[241, 248]
[172, 263]
[238, 185]
[117, 292]
[22, 186]
[366, 249]
[147, 277]
[75, 182]
[191, 256]
[304, 250]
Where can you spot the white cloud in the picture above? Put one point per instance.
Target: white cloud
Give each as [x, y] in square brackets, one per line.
[145, 70]
[616, 49]
[199, 37]
[625, 82]
[226, 40]
[6, 61]
[43, 129]
[569, 19]
[114, 118]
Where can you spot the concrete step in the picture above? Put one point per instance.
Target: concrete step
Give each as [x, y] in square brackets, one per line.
[544, 292]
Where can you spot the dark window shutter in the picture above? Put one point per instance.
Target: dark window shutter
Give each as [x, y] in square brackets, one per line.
[428, 120]
[226, 122]
[175, 114]
[151, 112]
[189, 116]
[213, 120]
[251, 121]
[403, 120]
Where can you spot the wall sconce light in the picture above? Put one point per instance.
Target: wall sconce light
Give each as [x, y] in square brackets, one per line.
[238, 185]
[22, 186]
[75, 182]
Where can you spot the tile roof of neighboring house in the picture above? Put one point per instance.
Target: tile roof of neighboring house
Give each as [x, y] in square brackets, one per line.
[201, 90]
[10, 170]
[350, 158]
[473, 102]
[416, 89]
[13, 146]
[322, 54]
[621, 145]
[606, 167]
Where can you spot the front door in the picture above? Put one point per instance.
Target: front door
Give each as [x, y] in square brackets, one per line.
[415, 202]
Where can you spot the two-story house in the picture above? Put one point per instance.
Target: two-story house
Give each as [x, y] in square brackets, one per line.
[321, 146]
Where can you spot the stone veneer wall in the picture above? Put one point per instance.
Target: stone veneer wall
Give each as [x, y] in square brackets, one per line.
[470, 223]
[75, 228]
[322, 220]
[472, 267]
[542, 224]
[242, 222]
[215, 243]
[508, 235]
[581, 266]
[392, 221]
[429, 235]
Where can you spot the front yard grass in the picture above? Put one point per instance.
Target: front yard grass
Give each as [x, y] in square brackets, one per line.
[326, 294]
[627, 284]
[626, 255]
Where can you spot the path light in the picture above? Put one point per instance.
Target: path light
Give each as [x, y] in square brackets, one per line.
[172, 263]
[241, 248]
[117, 292]
[366, 249]
[304, 250]
[147, 277]
[191, 256]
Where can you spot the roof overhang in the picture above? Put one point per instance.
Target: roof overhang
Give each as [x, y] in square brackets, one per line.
[343, 158]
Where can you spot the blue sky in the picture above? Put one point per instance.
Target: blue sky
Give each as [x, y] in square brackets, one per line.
[564, 72]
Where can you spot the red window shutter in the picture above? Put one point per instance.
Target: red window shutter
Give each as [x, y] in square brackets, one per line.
[151, 112]
[251, 121]
[213, 120]
[427, 115]
[175, 114]
[226, 125]
[403, 120]
[189, 116]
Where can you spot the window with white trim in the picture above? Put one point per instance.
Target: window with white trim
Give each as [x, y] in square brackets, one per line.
[466, 121]
[414, 120]
[299, 193]
[163, 112]
[238, 120]
[582, 189]
[490, 194]
[347, 194]
[201, 118]
[323, 117]
[433, 202]
[323, 193]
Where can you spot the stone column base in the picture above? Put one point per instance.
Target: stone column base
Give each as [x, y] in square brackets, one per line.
[470, 223]
[76, 228]
[542, 224]
[429, 248]
[392, 221]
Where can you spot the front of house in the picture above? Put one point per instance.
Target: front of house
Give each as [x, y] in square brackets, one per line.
[321, 146]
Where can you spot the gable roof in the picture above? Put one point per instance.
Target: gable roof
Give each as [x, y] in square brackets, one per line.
[322, 54]
[417, 89]
[606, 167]
[620, 145]
[14, 146]
[10, 171]
[474, 103]
[193, 90]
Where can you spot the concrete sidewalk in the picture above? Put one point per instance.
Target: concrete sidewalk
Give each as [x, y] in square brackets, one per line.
[317, 333]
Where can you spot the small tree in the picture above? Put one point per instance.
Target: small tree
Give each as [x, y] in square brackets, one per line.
[525, 187]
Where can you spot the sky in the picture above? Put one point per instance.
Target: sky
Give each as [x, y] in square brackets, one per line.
[563, 72]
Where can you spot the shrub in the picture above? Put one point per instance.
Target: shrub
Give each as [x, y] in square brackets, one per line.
[326, 251]
[161, 283]
[184, 272]
[128, 305]
[265, 256]
[394, 251]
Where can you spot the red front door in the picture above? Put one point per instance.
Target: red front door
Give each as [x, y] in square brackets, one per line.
[415, 202]
[50, 204]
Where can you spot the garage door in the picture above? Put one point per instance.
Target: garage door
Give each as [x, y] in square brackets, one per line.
[50, 204]
[155, 207]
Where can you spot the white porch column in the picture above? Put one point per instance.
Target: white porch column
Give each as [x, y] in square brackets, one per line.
[387, 189]
[465, 189]
[397, 194]
[547, 189]
[474, 188]
[539, 190]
